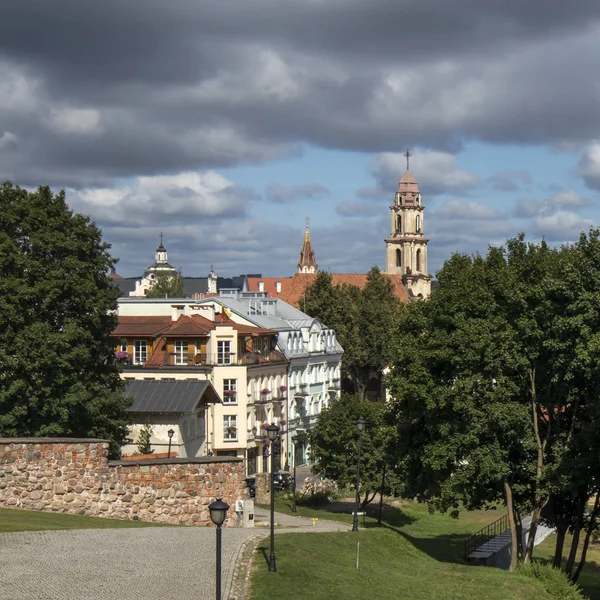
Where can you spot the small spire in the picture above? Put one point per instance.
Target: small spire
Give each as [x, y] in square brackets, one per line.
[407, 155]
[161, 238]
[307, 263]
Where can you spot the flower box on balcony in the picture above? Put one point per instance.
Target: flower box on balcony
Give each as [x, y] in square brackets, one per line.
[265, 392]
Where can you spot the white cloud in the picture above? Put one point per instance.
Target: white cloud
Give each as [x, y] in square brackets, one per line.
[78, 121]
[453, 210]
[589, 165]
[8, 141]
[560, 225]
[437, 172]
[177, 198]
[279, 194]
[567, 198]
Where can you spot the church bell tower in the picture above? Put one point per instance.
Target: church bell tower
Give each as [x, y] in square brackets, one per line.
[406, 248]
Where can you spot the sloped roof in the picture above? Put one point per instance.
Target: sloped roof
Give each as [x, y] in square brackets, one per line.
[292, 288]
[142, 326]
[169, 396]
[408, 183]
[185, 326]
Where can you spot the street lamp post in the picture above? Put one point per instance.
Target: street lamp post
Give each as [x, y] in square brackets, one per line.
[272, 432]
[294, 442]
[360, 424]
[170, 433]
[218, 514]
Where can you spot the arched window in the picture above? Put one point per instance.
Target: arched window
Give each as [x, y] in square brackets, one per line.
[418, 259]
[398, 258]
[418, 224]
[398, 223]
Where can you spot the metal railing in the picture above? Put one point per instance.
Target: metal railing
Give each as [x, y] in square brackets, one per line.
[486, 534]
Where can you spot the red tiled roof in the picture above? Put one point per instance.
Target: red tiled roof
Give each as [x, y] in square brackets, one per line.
[141, 326]
[194, 326]
[292, 288]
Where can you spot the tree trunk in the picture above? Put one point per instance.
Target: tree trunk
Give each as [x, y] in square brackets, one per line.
[588, 534]
[561, 530]
[514, 555]
[576, 531]
[535, 519]
[519, 524]
[541, 448]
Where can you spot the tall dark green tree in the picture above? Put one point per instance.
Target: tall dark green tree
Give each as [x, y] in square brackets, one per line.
[493, 376]
[58, 375]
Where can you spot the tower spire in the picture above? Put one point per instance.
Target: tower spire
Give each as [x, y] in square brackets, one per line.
[407, 155]
[307, 263]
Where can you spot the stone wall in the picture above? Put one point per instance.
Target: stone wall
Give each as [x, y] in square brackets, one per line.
[74, 476]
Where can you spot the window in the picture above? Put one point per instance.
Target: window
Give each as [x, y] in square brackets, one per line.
[140, 352]
[224, 353]
[398, 258]
[230, 391]
[419, 260]
[123, 346]
[181, 352]
[418, 224]
[398, 224]
[230, 427]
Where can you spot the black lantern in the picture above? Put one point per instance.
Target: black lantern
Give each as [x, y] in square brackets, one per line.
[272, 432]
[218, 514]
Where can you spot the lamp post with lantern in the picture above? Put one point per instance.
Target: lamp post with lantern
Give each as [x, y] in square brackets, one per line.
[170, 433]
[360, 424]
[218, 514]
[272, 433]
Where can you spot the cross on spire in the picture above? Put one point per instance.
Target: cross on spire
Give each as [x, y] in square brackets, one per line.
[307, 222]
[161, 238]
[407, 154]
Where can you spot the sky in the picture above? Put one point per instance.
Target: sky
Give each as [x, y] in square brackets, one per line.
[224, 124]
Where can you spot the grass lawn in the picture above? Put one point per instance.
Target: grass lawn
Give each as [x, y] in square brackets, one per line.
[414, 556]
[590, 576]
[13, 519]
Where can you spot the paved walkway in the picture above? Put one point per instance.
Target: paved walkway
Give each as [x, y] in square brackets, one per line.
[154, 563]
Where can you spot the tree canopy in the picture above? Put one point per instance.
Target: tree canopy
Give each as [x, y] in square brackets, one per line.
[495, 379]
[362, 320]
[58, 375]
[166, 285]
[334, 446]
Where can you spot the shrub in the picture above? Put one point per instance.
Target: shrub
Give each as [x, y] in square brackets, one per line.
[317, 493]
[555, 581]
[143, 444]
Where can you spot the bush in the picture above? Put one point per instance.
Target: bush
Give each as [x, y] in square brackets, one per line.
[317, 493]
[555, 581]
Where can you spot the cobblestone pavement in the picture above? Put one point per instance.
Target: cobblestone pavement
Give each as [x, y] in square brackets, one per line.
[155, 563]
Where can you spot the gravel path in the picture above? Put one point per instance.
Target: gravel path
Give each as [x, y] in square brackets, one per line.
[154, 563]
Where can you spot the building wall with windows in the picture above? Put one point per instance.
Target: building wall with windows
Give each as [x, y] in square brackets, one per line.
[173, 339]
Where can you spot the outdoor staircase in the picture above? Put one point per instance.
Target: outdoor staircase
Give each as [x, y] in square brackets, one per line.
[492, 545]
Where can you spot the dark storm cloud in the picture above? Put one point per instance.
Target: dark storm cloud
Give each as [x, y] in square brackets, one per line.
[193, 85]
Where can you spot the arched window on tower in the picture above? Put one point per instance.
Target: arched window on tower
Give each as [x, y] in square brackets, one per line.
[419, 260]
[398, 258]
[418, 223]
[398, 223]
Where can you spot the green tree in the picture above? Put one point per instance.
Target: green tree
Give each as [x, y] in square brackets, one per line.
[334, 446]
[143, 444]
[362, 320]
[166, 285]
[488, 402]
[58, 375]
